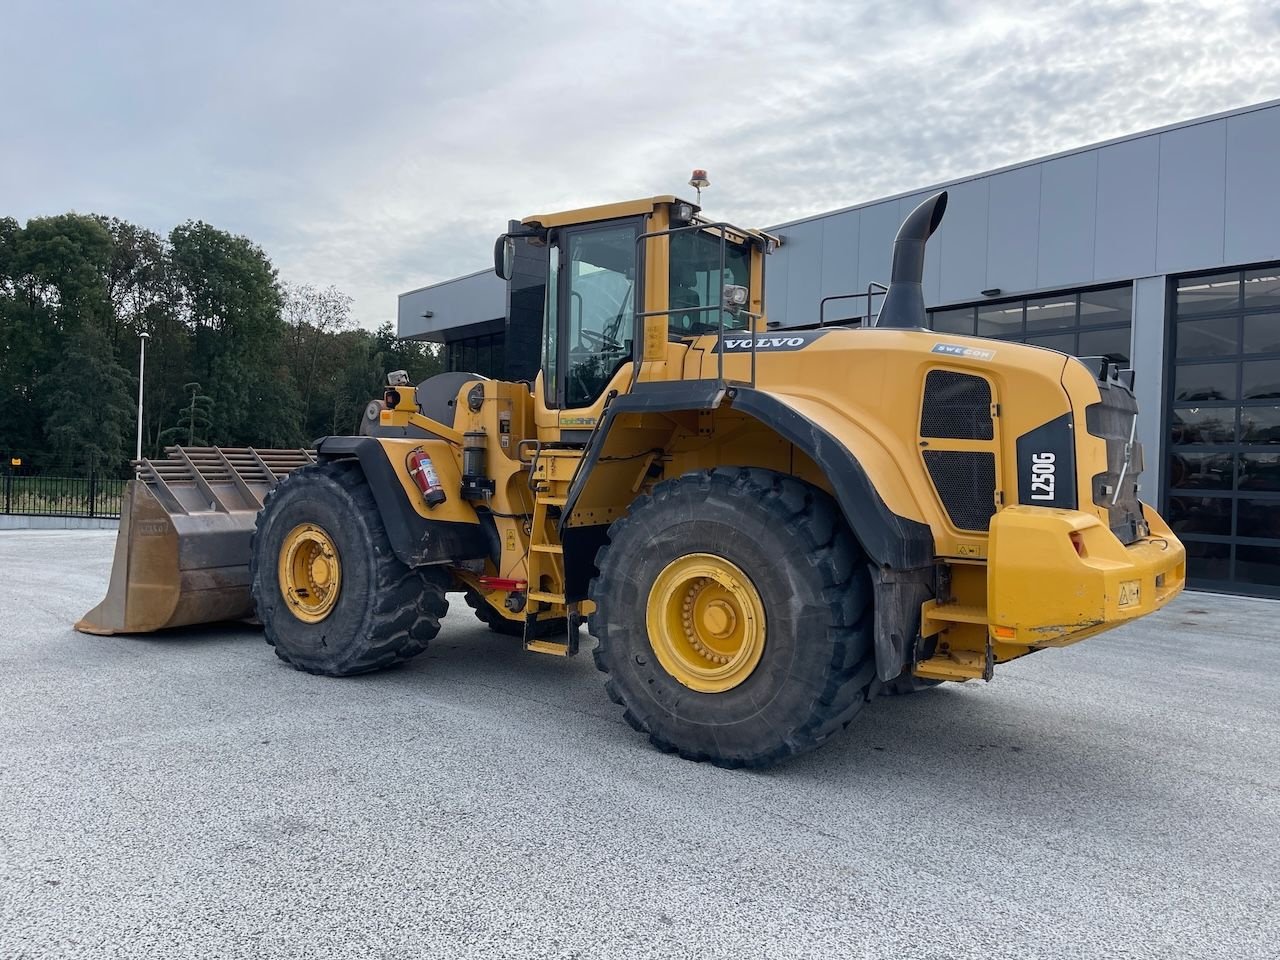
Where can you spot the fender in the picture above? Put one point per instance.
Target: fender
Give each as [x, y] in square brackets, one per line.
[901, 550]
[416, 540]
[890, 540]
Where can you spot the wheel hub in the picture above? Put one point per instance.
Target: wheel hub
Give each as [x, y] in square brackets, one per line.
[310, 572]
[706, 622]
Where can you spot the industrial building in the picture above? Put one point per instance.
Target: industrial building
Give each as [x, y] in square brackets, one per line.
[1160, 249]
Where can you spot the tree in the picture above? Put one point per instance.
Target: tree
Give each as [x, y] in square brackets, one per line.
[91, 424]
[418, 358]
[52, 301]
[194, 420]
[314, 319]
[136, 281]
[360, 379]
[228, 294]
[235, 357]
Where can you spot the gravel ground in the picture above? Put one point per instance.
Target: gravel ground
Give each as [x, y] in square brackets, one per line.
[191, 796]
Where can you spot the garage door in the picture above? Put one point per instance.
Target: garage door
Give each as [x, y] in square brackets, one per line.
[1222, 486]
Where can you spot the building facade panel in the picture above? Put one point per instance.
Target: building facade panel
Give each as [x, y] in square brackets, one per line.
[839, 255]
[877, 226]
[804, 272]
[961, 241]
[1192, 183]
[1128, 191]
[1149, 365]
[1013, 230]
[436, 312]
[1252, 199]
[1068, 202]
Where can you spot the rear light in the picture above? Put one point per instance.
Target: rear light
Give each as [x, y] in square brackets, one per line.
[1077, 541]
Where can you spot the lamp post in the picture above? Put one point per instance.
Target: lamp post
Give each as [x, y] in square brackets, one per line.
[143, 337]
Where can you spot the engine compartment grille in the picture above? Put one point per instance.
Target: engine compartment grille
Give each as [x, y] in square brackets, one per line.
[957, 406]
[966, 483]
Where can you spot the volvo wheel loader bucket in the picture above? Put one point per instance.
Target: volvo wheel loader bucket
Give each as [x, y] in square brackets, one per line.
[182, 553]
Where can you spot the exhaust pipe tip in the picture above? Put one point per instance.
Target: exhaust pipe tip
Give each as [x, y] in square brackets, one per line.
[903, 306]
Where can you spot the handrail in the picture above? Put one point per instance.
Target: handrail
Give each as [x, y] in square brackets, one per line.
[872, 289]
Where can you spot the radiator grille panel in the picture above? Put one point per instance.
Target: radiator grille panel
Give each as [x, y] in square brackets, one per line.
[957, 406]
[966, 483]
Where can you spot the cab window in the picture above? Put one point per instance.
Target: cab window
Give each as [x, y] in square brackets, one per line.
[696, 282]
[598, 277]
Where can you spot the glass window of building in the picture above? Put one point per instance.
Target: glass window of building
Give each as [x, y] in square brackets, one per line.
[1223, 475]
[484, 355]
[1088, 323]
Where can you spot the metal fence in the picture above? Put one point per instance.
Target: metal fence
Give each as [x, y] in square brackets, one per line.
[58, 492]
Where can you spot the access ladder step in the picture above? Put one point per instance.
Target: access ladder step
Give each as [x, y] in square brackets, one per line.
[547, 547]
[955, 665]
[553, 501]
[543, 597]
[937, 616]
[548, 646]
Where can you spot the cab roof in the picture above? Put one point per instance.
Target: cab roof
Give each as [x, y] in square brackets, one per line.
[626, 208]
[607, 211]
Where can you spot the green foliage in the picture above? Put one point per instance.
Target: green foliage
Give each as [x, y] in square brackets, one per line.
[235, 356]
[194, 421]
[90, 418]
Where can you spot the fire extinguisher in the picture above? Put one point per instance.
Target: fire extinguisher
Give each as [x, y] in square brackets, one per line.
[424, 475]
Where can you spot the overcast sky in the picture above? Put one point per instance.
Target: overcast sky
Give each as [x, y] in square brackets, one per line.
[382, 146]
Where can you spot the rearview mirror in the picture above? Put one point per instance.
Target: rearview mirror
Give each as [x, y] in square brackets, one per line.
[504, 255]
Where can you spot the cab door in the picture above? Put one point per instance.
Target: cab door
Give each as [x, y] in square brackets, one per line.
[589, 329]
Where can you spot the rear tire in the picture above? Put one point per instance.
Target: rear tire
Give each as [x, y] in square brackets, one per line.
[491, 617]
[496, 622]
[385, 612]
[798, 557]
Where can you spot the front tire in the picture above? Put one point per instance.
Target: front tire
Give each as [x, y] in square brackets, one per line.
[332, 596]
[907, 683]
[734, 617]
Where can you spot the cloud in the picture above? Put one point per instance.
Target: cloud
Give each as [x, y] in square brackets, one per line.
[381, 146]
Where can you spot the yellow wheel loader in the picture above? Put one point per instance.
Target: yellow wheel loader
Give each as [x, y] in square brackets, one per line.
[763, 527]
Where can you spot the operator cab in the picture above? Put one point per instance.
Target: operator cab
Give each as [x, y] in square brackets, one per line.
[620, 283]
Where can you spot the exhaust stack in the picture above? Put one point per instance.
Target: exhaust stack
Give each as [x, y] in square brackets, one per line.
[903, 305]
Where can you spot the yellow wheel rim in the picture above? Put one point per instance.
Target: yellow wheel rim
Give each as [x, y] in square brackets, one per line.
[706, 622]
[310, 572]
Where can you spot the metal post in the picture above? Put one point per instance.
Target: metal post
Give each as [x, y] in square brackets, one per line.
[93, 491]
[142, 360]
[724, 242]
[8, 490]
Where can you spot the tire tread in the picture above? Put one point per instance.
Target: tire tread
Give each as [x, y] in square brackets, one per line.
[830, 551]
[408, 602]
